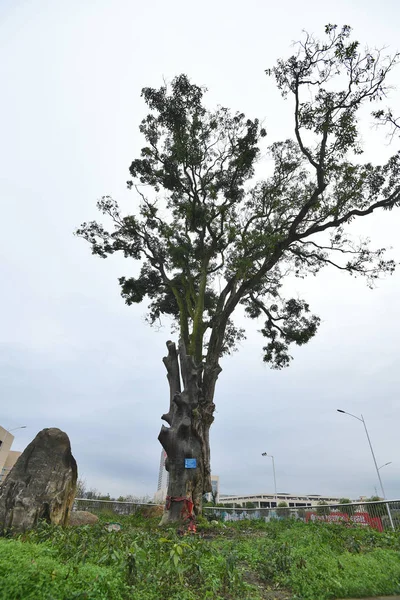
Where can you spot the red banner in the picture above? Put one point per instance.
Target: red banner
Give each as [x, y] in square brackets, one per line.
[359, 518]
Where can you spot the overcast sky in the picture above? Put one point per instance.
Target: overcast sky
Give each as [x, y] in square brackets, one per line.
[72, 355]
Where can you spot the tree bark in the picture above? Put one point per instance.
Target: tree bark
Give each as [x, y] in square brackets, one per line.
[189, 418]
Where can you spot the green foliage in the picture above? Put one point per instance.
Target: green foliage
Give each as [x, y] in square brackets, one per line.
[33, 572]
[320, 561]
[283, 509]
[323, 508]
[328, 561]
[134, 561]
[214, 223]
[298, 328]
[314, 561]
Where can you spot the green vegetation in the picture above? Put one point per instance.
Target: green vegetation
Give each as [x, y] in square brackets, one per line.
[347, 507]
[323, 508]
[250, 560]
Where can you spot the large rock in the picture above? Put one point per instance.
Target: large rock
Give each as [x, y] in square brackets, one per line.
[82, 517]
[41, 485]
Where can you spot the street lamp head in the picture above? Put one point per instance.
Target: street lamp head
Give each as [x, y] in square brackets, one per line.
[342, 411]
[385, 465]
[264, 454]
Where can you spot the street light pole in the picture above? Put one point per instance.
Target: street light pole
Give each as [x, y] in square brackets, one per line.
[273, 469]
[375, 463]
[388, 463]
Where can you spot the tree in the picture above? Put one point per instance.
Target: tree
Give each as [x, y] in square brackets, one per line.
[92, 494]
[375, 510]
[82, 491]
[210, 238]
[81, 488]
[210, 499]
[346, 506]
[283, 509]
[323, 508]
[386, 117]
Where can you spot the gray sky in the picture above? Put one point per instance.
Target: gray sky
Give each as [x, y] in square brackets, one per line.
[72, 355]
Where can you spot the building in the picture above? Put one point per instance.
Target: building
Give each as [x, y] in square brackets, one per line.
[270, 501]
[163, 479]
[8, 457]
[214, 495]
[163, 475]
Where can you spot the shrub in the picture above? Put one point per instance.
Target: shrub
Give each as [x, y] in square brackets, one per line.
[315, 561]
[323, 508]
[346, 507]
[33, 572]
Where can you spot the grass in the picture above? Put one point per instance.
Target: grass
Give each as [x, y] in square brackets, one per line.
[247, 561]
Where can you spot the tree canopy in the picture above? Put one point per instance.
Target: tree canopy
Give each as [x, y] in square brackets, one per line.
[211, 235]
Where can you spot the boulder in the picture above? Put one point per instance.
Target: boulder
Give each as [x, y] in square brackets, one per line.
[151, 511]
[82, 517]
[41, 485]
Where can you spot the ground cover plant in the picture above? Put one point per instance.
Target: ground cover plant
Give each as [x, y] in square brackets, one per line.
[250, 560]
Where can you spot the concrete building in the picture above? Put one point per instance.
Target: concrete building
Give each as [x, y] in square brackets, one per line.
[215, 489]
[163, 478]
[8, 457]
[269, 500]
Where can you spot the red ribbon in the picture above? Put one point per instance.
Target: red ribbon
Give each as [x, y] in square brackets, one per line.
[187, 509]
[170, 499]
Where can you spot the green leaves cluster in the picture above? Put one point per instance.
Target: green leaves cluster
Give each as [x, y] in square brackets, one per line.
[89, 562]
[296, 327]
[31, 571]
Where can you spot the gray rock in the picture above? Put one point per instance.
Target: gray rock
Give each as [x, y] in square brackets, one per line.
[82, 517]
[41, 485]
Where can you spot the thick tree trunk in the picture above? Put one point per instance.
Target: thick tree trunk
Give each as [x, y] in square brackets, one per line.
[189, 417]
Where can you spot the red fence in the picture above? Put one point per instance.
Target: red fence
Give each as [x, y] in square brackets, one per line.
[360, 518]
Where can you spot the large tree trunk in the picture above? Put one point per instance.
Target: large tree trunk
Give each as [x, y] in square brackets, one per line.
[189, 417]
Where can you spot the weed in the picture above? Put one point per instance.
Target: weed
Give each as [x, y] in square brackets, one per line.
[315, 561]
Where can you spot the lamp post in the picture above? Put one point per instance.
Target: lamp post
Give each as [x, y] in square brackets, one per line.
[273, 468]
[375, 463]
[388, 463]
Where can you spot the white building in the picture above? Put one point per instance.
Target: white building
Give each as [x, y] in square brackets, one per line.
[270, 501]
[163, 479]
[215, 489]
[8, 457]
